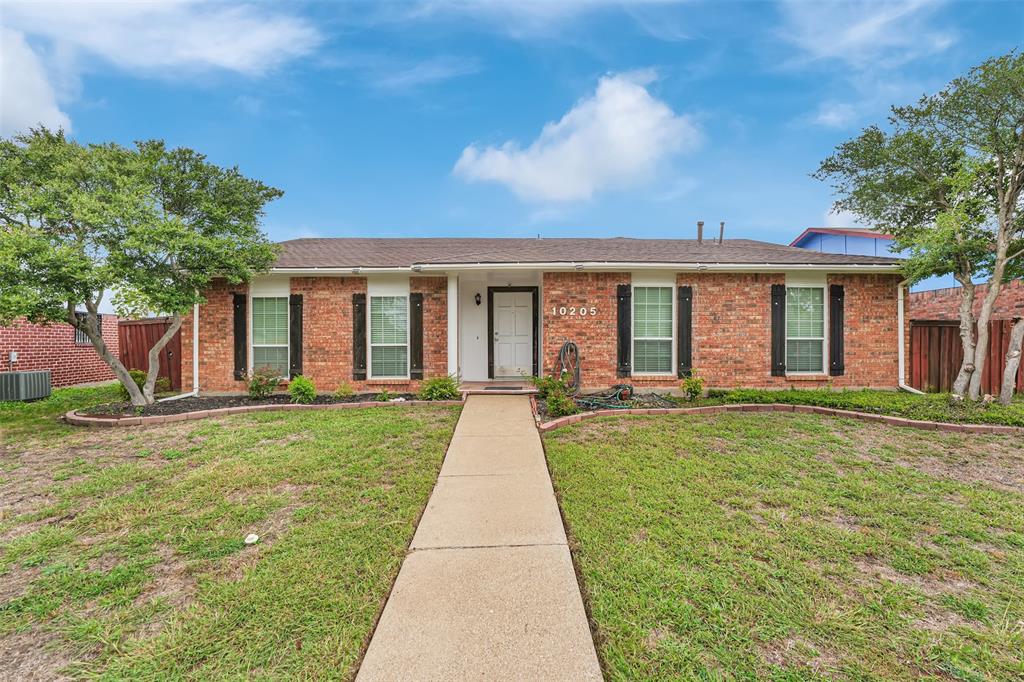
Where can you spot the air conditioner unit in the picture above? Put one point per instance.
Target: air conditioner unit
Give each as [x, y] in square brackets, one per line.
[25, 385]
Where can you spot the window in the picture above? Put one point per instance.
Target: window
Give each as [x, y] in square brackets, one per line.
[805, 329]
[270, 334]
[389, 336]
[81, 339]
[652, 330]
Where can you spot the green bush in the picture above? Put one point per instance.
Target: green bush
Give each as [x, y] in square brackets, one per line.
[440, 388]
[262, 383]
[560, 405]
[547, 386]
[302, 390]
[344, 390]
[692, 387]
[384, 396]
[162, 385]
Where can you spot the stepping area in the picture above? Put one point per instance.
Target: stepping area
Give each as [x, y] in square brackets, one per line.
[487, 590]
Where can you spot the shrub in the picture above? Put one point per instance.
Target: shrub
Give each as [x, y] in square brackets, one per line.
[440, 388]
[560, 405]
[692, 387]
[344, 390]
[547, 386]
[384, 396]
[262, 383]
[162, 385]
[302, 390]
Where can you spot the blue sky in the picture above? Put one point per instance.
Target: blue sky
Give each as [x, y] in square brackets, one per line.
[444, 118]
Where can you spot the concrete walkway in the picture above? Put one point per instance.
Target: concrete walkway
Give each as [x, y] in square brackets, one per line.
[488, 589]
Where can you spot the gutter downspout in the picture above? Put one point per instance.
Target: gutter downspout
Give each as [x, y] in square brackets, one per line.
[902, 339]
[195, 359]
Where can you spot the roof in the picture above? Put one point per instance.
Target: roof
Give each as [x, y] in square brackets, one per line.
[343, 252]
[849, 231]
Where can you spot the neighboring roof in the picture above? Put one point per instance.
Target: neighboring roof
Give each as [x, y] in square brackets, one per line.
[344, 252]
[849, 231]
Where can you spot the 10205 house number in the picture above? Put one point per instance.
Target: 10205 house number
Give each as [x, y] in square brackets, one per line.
[574, 311]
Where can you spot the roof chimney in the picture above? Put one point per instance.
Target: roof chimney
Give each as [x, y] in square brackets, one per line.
[700, 231]
[721, 231]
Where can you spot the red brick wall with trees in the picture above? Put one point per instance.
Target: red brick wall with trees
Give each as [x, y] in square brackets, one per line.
[53, 347]
[944, 304]
[326, 334]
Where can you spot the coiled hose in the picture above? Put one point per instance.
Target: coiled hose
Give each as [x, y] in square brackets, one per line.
[569, 362]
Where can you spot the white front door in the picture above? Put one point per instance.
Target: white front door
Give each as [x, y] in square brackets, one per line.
[513, 333]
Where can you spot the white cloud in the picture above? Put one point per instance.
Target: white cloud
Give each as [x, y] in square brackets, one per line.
[21, 72]
[615, 138]
[841, 219]
[163, 38]
[428, 72]
[864, 32]
[834, 114]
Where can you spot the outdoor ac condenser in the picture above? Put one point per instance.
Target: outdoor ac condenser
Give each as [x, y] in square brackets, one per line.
[25, 385]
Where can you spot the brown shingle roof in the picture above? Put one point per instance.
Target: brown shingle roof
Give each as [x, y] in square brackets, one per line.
[344, 252]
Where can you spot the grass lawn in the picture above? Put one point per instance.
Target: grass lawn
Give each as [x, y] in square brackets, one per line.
[783, 546]
[122, 554]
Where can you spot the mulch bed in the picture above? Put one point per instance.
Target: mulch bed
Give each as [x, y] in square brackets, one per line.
[194, 404]
[601, 401]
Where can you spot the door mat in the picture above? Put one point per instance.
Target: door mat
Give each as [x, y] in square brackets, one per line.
[503, 388]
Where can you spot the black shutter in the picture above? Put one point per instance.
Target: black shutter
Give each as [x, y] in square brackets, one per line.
[295, 335]
[241, 344]
[778, 330]
[359, 336]
[625, 329]
[836, 345]
[416, 336]
[684, 351]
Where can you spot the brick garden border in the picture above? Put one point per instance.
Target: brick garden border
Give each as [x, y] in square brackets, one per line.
[88, 420]
[780, 407]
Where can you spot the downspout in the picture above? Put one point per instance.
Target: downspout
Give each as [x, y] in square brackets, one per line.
[902, 340]
[195, 359]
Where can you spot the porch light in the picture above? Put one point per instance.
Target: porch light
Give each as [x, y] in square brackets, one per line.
[477, 298]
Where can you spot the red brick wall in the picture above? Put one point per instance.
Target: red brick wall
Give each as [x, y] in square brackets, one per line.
[731, 329]
[53, 347]
[944, 304]
[326, 334]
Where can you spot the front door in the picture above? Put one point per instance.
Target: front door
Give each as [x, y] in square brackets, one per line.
[513, 333]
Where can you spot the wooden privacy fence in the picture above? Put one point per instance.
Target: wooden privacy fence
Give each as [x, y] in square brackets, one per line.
[936, 354]
[138, 336]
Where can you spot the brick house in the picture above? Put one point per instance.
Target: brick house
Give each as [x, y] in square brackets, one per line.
[58, 347]
[386, 313]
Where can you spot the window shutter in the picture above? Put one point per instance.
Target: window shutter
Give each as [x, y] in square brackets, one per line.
[295, 335]
[625, 329]
[836, 344]
[359, 336]
[241, 342]
[684, 351]
[415, 336]
[778, 330]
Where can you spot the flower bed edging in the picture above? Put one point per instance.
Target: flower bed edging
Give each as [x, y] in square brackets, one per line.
[89, 420]
[780, 407]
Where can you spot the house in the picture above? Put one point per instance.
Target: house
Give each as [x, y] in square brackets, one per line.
[386, 313]
[58, 347]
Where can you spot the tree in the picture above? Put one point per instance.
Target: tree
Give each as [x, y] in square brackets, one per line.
[947, 180]
[149, 225]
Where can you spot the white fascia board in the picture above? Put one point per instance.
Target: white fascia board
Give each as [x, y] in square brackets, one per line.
[674, 267]
[340, 272]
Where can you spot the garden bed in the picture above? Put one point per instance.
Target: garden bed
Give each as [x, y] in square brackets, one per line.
[203, 403]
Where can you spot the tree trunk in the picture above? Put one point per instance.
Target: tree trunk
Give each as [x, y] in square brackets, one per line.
[153, 368]
[981, 350]
[89, 325]
[963, 377]
[1012, 361]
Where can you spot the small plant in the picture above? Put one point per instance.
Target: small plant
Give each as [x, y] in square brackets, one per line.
[440, 388]
[692, 387]
[302, 390]
[262, 383]
[547, 386]
[561, 405]
[384, 396]
[344, 390]
[162, 385]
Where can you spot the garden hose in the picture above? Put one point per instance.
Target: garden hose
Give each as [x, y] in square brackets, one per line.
[569, 360]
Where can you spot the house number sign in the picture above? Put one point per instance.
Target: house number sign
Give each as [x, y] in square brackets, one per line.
[573, 311]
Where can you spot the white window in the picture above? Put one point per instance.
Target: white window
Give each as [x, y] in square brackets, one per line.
[652, 330]
[270, 334]
[389, 336]
[805, 329]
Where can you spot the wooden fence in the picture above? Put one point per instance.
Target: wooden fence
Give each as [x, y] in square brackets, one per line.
[936, 354]
[136, 337]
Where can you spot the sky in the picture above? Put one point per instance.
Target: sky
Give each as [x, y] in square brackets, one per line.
[498, 118]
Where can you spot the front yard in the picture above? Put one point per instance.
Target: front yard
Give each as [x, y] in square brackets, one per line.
[122, 552]
[784, 546]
